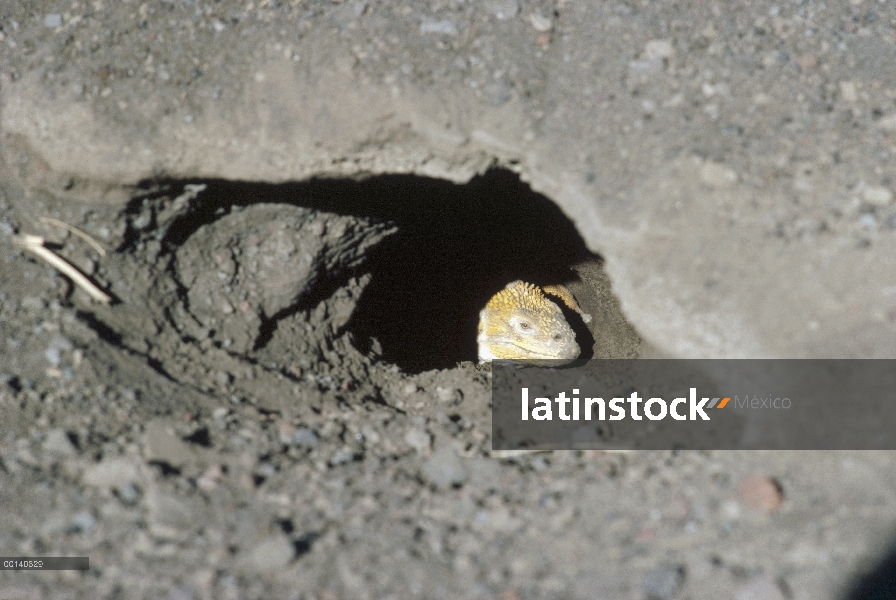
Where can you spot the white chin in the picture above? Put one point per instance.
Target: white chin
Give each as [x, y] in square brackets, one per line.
[485, 354]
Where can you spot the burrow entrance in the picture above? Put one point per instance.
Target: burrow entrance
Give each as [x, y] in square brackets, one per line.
[455, 246]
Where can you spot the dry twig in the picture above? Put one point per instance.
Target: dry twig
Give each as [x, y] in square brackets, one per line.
[95, 244]
[35, 245]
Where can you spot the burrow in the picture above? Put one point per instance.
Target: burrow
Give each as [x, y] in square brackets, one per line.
[397, 265]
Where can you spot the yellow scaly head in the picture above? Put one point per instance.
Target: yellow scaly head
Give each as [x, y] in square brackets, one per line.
[520, 323]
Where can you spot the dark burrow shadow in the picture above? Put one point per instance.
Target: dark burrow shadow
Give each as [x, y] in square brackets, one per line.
[455, 247]
[877, 584]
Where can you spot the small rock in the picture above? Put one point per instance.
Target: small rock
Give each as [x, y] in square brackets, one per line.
[662, 582]
[6, 227]
[717, 175]
[807, 62]
[658, 49]
[272, 553]
[449, 394]
[760, 589]
[57, 346]
[848, 91]
[210, 478]
[417, 439]
[342, 456]
[438, 27]
[304, 437]
[540, 23]
[868, 221]
[285, 431]
[162, 446]
[57, 442]
[169, 517]
[110, 473]
[877, 195]
[445, 468]
[503, 9]
[83, 522]
[888, 123]
[129, 493]
[53, 20]
[761, 492]
[653, 65]
[409, 388]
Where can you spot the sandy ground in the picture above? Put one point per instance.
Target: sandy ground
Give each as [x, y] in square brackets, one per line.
[282, 400]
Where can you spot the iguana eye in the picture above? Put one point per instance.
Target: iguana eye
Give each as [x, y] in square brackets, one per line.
[524, 325]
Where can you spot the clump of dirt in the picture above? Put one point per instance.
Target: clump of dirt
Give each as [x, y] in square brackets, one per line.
[245, 271]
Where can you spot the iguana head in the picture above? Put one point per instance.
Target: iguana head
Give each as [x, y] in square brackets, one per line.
[520, 323]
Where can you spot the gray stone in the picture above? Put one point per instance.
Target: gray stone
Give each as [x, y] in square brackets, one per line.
[110, 473]
[417, 439]
[83, 522]
[503, 9]
[58, 442]
[170, 517]
[662, 582]
[445, 468]
[304, 437]
[161, 445]
[272, 553]
[760, 588]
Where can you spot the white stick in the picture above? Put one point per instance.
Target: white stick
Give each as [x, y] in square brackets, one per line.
[35, 245]
[77, 232]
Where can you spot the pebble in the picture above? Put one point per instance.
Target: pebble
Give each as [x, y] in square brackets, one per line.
[438, 27]
[445, 468]
[848, 91]
[807, 62]
[161, 446]
[877, 195]
[169, 517]
[110, 473]
[417, 439]
[760, 589]
[761, 492]
[658, 49]
[342, 456]
[53, 20]
[887, 123]
[57, 346]
[503, 9]
[540, 23]
[448, 394]
[210, 478]
[662, 582]
[83, 522]
[304, 437]
[58, 442]
[6, 227]
[717, 175]
[129, 493]
[272, 553]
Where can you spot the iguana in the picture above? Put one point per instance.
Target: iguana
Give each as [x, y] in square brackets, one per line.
[520, 323]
